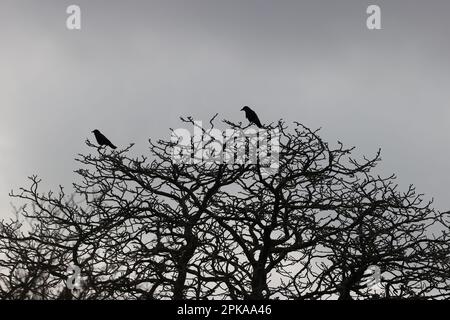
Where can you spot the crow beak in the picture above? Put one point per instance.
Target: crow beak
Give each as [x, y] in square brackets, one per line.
[242, 109]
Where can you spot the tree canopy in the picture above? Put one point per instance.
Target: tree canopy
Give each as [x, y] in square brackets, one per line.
[151, 227]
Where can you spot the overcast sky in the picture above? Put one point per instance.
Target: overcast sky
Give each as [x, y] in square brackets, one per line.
[136, 66]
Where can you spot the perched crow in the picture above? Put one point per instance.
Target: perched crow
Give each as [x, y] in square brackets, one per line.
[251, 116]
[102, 140]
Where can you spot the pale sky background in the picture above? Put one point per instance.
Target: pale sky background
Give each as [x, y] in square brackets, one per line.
[136, 66]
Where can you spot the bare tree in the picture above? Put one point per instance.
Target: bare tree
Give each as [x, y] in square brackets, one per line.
[157, 228]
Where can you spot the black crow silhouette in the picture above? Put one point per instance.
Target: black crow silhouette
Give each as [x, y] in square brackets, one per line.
[251, 116]
[102, 140]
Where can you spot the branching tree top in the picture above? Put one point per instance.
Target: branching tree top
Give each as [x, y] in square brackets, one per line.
[155, 227]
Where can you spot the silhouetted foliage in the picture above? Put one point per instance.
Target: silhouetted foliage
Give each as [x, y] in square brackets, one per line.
[153, 228]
